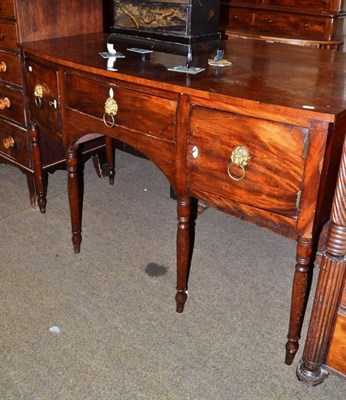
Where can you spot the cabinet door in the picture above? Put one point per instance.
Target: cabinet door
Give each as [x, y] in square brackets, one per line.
[42, 96]
[272, 175]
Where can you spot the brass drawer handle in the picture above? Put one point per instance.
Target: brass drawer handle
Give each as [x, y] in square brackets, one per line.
[240, 157]
[5, 103]
[3, 66]
[38, 94]
[8, 142]
[111, 110]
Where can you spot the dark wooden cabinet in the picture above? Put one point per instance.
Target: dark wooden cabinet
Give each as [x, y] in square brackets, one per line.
[20, 21]
[312, 22]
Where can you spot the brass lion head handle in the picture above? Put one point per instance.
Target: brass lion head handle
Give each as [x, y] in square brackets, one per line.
[38, 95]
[111, 110]
[240, 158]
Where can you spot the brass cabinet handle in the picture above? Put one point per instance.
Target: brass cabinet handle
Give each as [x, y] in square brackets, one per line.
[8, 142]
[38, 95]
[5, 103]
[3, 66]
[240, 157]
[111, 110]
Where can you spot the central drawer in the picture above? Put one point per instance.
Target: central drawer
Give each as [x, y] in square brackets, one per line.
[136, 110]
[272, 177]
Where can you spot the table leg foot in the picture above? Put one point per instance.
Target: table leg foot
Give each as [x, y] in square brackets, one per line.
[311, 377]
[180, 299]
[76, 242]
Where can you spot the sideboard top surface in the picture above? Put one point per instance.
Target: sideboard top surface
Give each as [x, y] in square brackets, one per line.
[272, 74]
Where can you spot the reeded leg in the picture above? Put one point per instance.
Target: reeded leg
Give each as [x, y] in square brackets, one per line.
[110, 154]
[299, 297]
[74, 197]
[329, 288]
[37, 163]
[183, 250]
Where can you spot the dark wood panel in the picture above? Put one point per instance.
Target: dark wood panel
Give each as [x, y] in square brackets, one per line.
[8, 35]
[7, 8]
[58, 18]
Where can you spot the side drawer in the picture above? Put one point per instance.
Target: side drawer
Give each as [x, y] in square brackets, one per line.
[42, 95]
[290, 24]
[272, 178]
[11, 104]
[239, 18]
[8, 35]
[9, 68]
[7, 8]
[14, 142]
[137, 110]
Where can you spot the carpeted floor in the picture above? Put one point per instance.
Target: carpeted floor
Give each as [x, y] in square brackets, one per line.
[119, 335]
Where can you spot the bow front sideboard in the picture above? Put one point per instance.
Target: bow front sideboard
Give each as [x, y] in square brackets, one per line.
[260, 139]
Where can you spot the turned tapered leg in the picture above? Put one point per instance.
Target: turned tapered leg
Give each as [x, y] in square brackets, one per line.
[183, 250]
[37, 163]
[110, 154]
[329, 288]
[300, 291]
[74, 197]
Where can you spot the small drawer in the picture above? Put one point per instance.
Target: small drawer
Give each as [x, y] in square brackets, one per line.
[136, 110]
[14, 142]
[238, 18]
[309, 27]
[273, 153]
[10, 68]
[42, 94]
[8, 35]
[11, 104]
[7, 8]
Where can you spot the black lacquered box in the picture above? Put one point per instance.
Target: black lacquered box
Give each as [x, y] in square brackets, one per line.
[176, 26]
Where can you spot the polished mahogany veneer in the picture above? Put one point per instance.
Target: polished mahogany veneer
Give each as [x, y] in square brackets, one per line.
[260, 139]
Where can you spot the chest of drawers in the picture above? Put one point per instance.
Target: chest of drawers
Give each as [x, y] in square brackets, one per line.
[314, 21]
[20, 21]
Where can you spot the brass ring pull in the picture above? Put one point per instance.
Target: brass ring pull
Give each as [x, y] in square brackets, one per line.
[110, 123]
[38, 95]
[111, 110]
[240, 157]
[8, 142]
[236, 178]
[3, 66]
[5, 103]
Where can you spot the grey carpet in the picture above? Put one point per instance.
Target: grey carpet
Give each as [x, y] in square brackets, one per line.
[120, 337]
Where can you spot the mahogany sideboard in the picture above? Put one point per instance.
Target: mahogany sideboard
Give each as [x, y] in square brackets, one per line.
[22, 20]
[260, 139]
